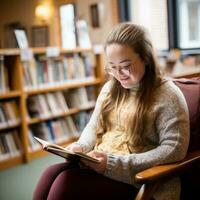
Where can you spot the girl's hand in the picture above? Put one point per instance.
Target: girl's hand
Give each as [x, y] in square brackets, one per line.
[74, 147]
[98, 167]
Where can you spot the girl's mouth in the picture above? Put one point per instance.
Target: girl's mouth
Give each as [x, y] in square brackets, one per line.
[124, 79]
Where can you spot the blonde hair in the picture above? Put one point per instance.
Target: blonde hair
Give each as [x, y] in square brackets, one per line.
[137, 38]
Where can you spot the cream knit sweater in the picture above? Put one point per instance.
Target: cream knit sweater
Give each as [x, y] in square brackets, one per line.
[168, 132]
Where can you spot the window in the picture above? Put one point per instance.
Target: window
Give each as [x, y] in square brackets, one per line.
[152, 14]
[67, 23]
[189, 23]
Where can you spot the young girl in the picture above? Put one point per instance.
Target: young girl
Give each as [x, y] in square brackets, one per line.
[140, 120]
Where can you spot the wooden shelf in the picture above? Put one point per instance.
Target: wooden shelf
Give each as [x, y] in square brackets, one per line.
[17, 81]
[11, 162]
[42, 50]
[10, 94]
[10, 52]
[64, 114]
[41, 152]
[7, 127]
[69, 85]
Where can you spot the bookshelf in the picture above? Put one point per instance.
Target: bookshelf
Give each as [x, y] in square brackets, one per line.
[22, 84]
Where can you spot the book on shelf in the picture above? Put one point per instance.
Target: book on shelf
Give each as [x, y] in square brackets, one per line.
[81, 120]
[83, 34]
[4, 82]
[21, 37]
[77, 98]
[57, 130]
[61, 151]
[89, 68]
[8, 114]
[54, 103]
[10, 145]
[45, 105]
[70, 126]
[59, 96]
[41, 71]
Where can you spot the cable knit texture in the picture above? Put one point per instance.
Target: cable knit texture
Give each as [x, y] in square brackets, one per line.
[167, 135]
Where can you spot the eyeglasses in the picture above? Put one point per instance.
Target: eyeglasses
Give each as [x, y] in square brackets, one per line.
[114, 71]
[123, 70]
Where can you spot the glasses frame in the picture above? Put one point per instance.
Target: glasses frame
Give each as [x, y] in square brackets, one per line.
[114, 71]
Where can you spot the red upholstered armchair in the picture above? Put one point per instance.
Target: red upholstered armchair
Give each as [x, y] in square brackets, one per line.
[189, 168]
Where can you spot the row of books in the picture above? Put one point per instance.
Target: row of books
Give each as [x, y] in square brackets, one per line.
[44, 105]
[10, 145]
[4, 85]
[9, 114]
[55, 131]
[44, 72]
[59, 130]
[54, 103]
[80, 97]
[81, 119]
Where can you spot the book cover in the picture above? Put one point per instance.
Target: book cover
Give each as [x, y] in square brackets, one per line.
[83, 34]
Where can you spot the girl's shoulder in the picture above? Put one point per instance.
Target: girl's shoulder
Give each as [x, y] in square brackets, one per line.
[105, 90]
[167, 86]
[168, 91]
[106, 87]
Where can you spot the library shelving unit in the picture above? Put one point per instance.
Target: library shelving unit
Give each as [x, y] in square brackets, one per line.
[13, 89]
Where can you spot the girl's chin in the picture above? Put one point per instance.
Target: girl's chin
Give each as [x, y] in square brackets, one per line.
[127, 85]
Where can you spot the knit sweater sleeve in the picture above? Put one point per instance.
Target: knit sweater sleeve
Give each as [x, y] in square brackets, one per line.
[87, 139]
[172, 127]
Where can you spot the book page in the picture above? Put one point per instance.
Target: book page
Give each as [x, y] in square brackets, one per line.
[58, 150]
[46, 144]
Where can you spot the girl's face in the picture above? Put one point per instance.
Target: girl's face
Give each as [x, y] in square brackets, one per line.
[124, 64]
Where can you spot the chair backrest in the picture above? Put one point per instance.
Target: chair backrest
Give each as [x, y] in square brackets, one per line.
[191, 90]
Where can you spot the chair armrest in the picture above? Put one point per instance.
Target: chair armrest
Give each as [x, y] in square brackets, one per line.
[158, 172]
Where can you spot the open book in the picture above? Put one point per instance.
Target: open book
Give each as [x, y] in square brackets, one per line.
[60, 151]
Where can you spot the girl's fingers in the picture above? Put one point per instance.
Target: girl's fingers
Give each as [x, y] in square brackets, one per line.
[96, 154]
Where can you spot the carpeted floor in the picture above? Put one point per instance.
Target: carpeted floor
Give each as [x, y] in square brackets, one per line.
[18, 183]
